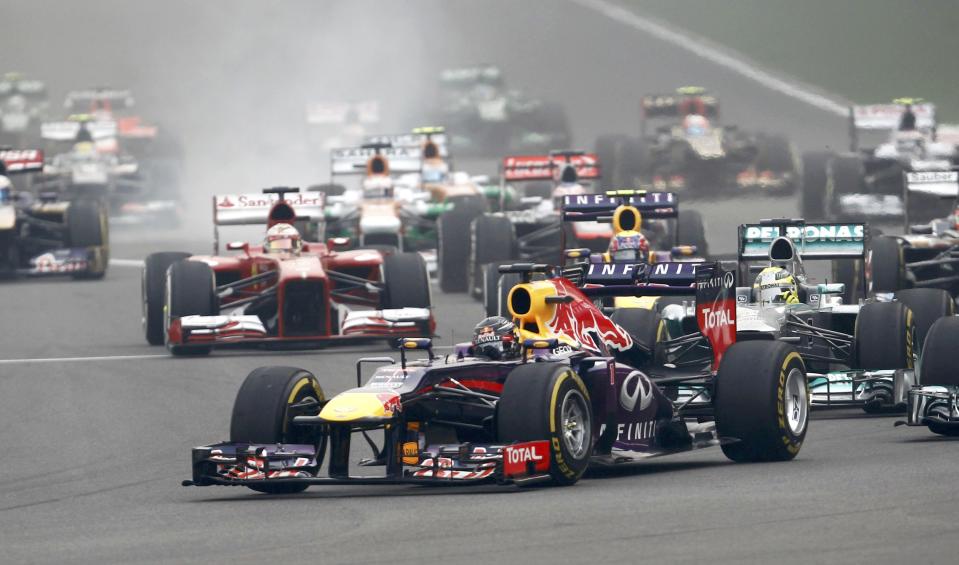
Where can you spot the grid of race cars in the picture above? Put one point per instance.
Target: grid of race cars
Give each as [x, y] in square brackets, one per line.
[612, 333]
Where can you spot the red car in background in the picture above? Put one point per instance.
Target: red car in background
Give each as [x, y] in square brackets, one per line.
[287, 292]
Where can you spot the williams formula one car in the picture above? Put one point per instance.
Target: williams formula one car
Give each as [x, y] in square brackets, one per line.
[539, 403]
[285, 293]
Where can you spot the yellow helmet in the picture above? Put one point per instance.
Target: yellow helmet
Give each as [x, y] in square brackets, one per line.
[776, 285]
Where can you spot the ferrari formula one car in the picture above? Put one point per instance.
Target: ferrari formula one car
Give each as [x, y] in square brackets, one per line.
[688, 151]
[486, 117]
[561, 401]
[42, 235]
[869, 182]
[287, 293]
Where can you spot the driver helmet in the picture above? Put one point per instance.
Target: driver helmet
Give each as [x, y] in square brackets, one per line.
[283, 238]
[695, 125]
[776, 285]
[495, 338]
[629, 245]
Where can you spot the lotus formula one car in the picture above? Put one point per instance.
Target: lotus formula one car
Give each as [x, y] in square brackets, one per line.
[536, 400]
[42, 235]
[688, 151]
[870, 182]
[286, 292]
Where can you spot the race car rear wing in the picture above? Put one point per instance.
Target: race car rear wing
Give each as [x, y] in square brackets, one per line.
[254, 208]
[15, 161]
[677, 105]
[600, 207]
[944, 184]
[886, 117]
[68, 130]
[679, 275]
[812, 241]
[352, 160]
[82, 100]
[543, 167]
[33, 89]
[323, 113]
[415, 140]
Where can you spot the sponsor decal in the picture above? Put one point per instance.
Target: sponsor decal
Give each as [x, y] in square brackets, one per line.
[636, 431]
[716, 308]
[811, 233]
[637, 390]
[411, 453]
[581, 322]
[251, 201]
[517, 458]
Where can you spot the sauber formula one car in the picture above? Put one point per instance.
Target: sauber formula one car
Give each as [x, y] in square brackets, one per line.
[870, 181]
[486, 117]
[22, 106]
[556, 399]
[41, 235]
[688, 150]
[286, 293]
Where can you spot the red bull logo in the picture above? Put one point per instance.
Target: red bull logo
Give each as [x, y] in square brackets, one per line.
[582, 322]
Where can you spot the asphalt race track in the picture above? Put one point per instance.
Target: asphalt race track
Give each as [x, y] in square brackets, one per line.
[96, 426]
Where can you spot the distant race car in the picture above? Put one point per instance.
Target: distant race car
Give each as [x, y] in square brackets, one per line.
[486, 117]
[23, 104]
[690, 151]
[43, 235]
[538, 404]
[341, 124]
[869, 182]
[287, 292]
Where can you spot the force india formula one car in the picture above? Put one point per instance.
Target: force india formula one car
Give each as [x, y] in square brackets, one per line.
[486, 117]
[688, 151]
[287, 293]
[562, 404]
[870, 182]
[43, 235]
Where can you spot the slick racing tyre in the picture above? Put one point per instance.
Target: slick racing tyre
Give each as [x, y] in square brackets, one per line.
[453, 239]
[87, 227]
[851, 274]
[152, 285]
[613, 160]
[646, 328]
[887, 265]
[762, 399]
[263, 413]
[938, 364]
[406, 281]
[927, 305]
[692, 231]
[776, 155]
[813, 196]
[844, 177]
[884, 337]
[190, 291]
[548, 401]
[491, 239]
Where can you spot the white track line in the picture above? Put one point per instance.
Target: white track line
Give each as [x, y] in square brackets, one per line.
[126, 263]
[715, 54]
[81, 359]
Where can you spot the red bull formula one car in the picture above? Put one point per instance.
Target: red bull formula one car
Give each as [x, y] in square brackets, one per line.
[565, 400]
[286, 292]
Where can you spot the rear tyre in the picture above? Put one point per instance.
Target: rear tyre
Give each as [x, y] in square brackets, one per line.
[845, 177]
[152, 285]
[813, 195]
[692, 231]
[264, 409]
[491, 239]
[453, 238]
[849, 273]
[190, 291]
[927, 305]
[646, 328]
[87, 227]
[406, 281]
[886, 265]
[884, 338]
[609, 151]
[548, 401]
[762, 399]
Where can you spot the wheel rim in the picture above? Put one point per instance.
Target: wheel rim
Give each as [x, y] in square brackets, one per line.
[575, 424]
[797, 405]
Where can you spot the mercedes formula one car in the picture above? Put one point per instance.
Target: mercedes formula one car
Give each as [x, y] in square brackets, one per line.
[870, 182]
[23, 103]
[688, 151]
[43, 235]
[285, 293]
[486, 117]
[556, 399]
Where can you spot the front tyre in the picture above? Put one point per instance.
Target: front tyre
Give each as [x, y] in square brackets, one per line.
[153, 286]
[548, 401]
[263, 413]
[762, 400]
